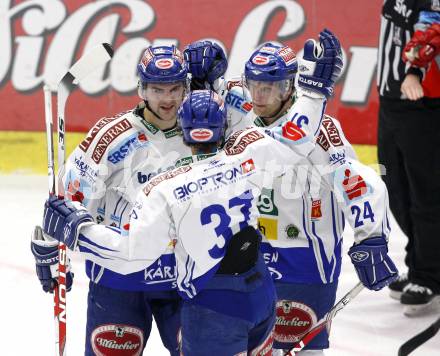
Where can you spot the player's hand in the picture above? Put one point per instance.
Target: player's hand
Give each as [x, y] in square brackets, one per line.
[321, 64]
[207, 62]
[45, 251]
[63, 220]
[411, 87]
[374, 267]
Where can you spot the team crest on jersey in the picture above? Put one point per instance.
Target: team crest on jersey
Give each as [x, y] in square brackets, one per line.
[293, 320]
[112, 339]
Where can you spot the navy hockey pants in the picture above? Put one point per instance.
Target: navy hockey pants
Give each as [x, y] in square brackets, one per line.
[121, 320]
[233, 315]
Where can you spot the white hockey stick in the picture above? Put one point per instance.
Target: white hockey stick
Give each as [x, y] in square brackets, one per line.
[49, 138]
[90, 61]
[326, 321]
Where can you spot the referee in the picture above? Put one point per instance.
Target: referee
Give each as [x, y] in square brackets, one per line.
[409, 147]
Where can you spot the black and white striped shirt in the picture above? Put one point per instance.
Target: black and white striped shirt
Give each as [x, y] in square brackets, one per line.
[397, 27]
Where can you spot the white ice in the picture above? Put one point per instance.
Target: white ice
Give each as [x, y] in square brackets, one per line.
[371, 325]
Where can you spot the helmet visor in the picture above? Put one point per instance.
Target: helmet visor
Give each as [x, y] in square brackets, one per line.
[162, 91]
[264, 92]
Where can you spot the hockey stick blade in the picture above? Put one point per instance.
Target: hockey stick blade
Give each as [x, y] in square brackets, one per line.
[325, 322]
[89, 62]
[418, 340]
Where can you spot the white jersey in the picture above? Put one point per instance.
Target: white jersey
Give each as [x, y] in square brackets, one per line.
[303, 231]
[200, 207]
[106, 172]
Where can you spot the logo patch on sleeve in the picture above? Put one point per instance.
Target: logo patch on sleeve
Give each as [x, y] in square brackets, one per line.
[108, 137]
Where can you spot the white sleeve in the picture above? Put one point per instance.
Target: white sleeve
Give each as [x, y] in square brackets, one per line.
[130, 251]
[85, 180]
[360, 192]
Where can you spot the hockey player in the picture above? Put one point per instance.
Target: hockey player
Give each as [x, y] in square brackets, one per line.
[303, 231]
[105, 172]
[208, 209]
[312, 108]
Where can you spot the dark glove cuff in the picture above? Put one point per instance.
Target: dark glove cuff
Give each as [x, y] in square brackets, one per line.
[416, 71]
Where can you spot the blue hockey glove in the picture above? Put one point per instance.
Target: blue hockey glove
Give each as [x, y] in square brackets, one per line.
[63, 220]
[374, 267]
[321, 64]
[45, 251]
[207, 62]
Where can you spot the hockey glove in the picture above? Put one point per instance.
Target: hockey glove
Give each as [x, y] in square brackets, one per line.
[423, 47]
[374, 267]
[207, 62]
[321, 64]
[63, 220]
[45, 251]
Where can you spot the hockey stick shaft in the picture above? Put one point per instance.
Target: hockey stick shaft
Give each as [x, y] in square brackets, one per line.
[85, 65]
[49, 138]
[418, 340]
[48, 114]
[325, 322]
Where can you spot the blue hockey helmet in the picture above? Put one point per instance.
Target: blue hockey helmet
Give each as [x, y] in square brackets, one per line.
[270, 63]
[202, 117]
[206, 60]
[162, 64]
